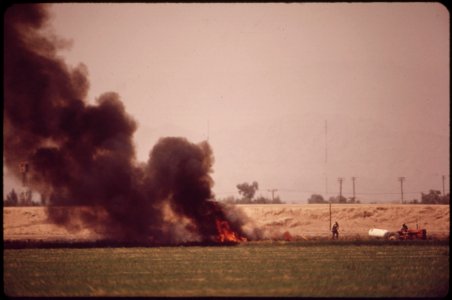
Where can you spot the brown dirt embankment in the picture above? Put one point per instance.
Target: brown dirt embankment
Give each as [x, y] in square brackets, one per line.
[355, 220]
[304, 221]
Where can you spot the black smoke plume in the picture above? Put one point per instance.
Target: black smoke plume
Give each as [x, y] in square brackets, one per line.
[82, 155]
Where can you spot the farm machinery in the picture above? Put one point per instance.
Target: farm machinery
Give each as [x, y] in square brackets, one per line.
[412, 234]
[402, 234]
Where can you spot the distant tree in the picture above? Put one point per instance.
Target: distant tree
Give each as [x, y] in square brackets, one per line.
[277, 200]
[28, 197]
[433, 197]
[25, 198]
[338, 199]
[248, 190]
[261, 200]
[316, 198]
[445, 199]
[43, 199]
[11, 198]
[14, 197]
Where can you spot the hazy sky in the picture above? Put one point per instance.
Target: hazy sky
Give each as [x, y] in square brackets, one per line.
[260, 81]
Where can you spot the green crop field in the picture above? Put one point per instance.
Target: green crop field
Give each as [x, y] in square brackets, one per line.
[250, 269]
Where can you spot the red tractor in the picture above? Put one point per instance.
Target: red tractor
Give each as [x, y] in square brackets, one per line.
[403, 234]
[412, 234]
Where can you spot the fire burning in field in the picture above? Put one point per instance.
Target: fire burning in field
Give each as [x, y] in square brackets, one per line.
[225, 234]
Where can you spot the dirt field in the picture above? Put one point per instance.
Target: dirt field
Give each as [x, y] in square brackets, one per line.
[355, 220]
[301, 221]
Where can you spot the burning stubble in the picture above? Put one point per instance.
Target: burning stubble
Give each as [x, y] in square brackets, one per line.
[82, 155]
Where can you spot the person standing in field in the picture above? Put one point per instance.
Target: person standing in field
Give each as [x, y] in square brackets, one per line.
[404, 227]
[335, 231]
[404, 231]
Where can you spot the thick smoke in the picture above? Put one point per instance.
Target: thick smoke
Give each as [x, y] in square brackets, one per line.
[83, 155]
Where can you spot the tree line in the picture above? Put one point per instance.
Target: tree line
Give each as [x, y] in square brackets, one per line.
[317, 198]
[432, 197]
[23, 198]
[248, 192]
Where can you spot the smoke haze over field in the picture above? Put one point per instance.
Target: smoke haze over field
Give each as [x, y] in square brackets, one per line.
[260, 81]
[83, 154]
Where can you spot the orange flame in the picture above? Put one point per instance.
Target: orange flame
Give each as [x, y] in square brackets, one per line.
[225, 234]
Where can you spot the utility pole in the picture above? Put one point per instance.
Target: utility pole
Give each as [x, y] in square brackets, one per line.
[326, 164]
[444, 191]
[401, 179]
[354, 196]
[326, 141]
[330, 213]
[326, 158]
[273, 194]
[340, 196]
[340, 179]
